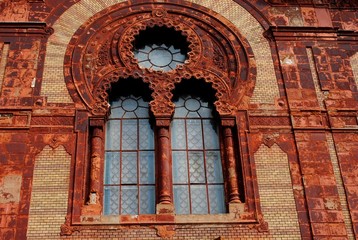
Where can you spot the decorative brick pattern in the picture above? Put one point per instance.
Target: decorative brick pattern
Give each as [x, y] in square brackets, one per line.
[182, 232]
[322, 196]
[53, 85]
[303, 94]
[54, 88]
[346, 146]
[266, 89]
[20, 72]
[276, 193]
[48, 206]
[3, 62]
[340, 186]
[354, 65]
[17, 11]
[320, 94]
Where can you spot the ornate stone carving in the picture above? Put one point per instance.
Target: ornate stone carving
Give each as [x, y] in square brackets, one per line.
[165, 232]
[219, 59]
[128, 37]
[111, 47]
[331, 3]
[14, 10]
[270, 139]
[67, 229]
[103, 55]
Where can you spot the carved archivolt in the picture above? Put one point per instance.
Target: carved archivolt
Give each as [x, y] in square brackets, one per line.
[101, 53]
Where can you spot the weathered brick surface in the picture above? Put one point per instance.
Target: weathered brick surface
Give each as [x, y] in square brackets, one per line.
[280, 212]
[297, 127]
[50, 184]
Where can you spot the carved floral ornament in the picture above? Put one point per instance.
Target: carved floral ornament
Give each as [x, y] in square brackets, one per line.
[102, 53]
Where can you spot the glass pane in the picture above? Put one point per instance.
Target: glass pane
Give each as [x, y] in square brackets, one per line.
[213, 167]
[117, 112]
[129, 168]
[146, 135]
[129, 134]
[147, 200]
[147, 168]
[205, 112]
[196, 164]
[211, 138]
[129, 115]
[129, 198]
[111, 200]
[199, 201]
[112, 168]
[195, 137]
[216, 199]
[116, 103]
[178, 134]
[180, 112]
[180, 167]
[142, 112]
[145, 64]
[179, 57]
[181, 200]
[113, 135]
[140, 56]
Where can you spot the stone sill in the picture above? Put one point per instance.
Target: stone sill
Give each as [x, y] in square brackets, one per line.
[165, 215]
[151, 219]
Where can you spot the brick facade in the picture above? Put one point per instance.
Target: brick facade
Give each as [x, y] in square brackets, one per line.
[285, 76]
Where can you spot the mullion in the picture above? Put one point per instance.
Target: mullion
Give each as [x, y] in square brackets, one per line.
[120, 167]
[138, 170]
[188, 165]
[205, 172]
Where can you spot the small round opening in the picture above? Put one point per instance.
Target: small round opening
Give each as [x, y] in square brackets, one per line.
[160, 48]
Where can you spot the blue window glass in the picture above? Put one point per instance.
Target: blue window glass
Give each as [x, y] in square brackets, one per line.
[129, 179]
[198, 184]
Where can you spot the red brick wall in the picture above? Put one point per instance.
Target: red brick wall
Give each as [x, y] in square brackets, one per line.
[300, 121]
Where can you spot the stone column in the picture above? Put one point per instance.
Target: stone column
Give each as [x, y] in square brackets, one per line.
[165, 203]
[230, 160]
[96, 161]
[94, 204]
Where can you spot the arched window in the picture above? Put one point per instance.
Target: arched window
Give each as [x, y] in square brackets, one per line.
[129, 179]
[198, 184]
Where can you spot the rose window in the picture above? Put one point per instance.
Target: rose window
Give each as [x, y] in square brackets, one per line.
[160, 49]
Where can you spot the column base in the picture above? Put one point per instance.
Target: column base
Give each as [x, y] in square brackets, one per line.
[237, 208]
[165, 208]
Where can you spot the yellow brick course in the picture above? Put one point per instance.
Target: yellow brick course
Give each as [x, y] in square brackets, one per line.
[340, 186]
[276, 193]
[354, 64]
[48, 206]
[3, 61]
[54, 88]
[319, 92]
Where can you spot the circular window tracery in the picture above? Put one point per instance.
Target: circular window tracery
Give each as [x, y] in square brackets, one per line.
[159, 57]
[160, 49]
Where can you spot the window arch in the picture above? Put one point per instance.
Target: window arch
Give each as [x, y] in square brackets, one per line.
[198, 184]
[221, 62]
[129, 172]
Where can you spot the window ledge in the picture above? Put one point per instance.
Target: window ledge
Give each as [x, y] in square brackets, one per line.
[236, 215]
[163, 219]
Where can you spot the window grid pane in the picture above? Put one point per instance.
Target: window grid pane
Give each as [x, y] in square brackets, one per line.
[129, 179]
[196, 153]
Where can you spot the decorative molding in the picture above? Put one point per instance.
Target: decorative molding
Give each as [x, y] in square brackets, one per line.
[25, 29]
[292, 33]
[67, 229]
[348, 4]
[103, 62]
